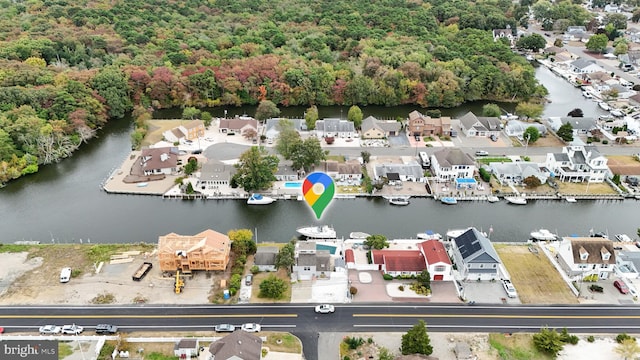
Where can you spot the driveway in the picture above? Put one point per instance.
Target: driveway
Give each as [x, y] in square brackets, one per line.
[374, 291]
[399, 140]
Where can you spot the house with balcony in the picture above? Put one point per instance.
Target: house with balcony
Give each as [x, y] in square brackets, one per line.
[208, 251]
[337, 128]
[475, 257]
[516, 172]
[449, 164]
[422, 125]
[474, 126]
[155, 161]
[581, 257]
[578, 163]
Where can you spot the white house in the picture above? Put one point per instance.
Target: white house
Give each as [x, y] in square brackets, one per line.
[580, 257]
[438, 262]
[154, 161]
[480, 126]
[452, 163]
[627, 264]
[215, 173]
[310, 262]
[584, 66]
[578, 164]
[187, 348]
[475, 257]
[336, 128]
[516, 172]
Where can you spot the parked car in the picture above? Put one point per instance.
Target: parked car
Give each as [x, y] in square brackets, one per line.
[622, 287]
[251, 327]
[482, 153]
[224, 328]
[248, 280]
[72, 329]
[325, 309]
[509, 288]
[632, 180]
[49, 329]
[106, 329]
[65, 275]
[493, 138]
[417, 137]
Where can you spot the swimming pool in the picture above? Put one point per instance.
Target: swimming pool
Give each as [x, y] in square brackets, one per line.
[293, 184]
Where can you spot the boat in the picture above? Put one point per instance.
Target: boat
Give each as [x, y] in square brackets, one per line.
[587, 94]
[493, 199]
[622, 238]
[429, 235]
[257, 199]
[616, 113]
[570, 199]
[399, 200]
[516, 200]
[604, 106]
[358, 235]
[317, 232]
[448, 200]
[543, 235]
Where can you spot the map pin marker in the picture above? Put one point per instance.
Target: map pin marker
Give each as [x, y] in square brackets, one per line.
[318, 190]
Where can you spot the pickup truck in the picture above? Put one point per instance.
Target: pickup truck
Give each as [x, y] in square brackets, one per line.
[142, 271]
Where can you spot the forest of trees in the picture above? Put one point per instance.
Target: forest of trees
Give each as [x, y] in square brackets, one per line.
[66, 67]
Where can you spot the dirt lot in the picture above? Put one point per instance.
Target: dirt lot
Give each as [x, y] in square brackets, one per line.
[535, 278]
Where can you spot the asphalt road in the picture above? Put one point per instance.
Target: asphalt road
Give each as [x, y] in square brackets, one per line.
[304, 323]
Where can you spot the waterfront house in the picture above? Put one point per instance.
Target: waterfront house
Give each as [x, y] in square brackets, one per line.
[584, 66]
[475, 126]
[208, 250]
[265, 258]
[238, 126]
[475, 257]
[215, 173]
[330, 167]
[272, 127]
[580, 125]
[193, 129]
[411, 171]
[239, 345]
[286, 172]
[452, 163]
[516, 128]
[516, 172]
[422, 125]
[310, 262]
[373, 128]
[350, 170]
[504, 34]
[399, 262]
[437, 259]
[163, 160]
[186, 348]
[628, 264]
[335, 128]
[578, 164]
[581, 257]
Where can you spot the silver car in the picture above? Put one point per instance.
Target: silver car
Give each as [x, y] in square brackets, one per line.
[50, 329]
[224, 328]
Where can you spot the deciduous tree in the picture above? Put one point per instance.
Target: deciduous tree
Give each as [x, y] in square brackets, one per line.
[531, 134]
[491, 110]
[565, 132]
[311, 117]
[272, 288]
[285, 258]
[376, 241]
[307, 153]
[529, 110]
[255, 169]
[597, 43]
[266, 110]
[355, 116]
[548, 341]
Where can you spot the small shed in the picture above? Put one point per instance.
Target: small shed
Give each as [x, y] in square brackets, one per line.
[186, 348]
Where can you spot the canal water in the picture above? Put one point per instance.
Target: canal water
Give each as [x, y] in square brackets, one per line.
[63, 203]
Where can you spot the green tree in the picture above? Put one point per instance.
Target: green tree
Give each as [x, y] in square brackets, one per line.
[376, 241]
[288, 138]
[491, 110]
[597, 43]
[310, 117]
[272, 288]
[206, 118]
[255, 169]
[424, 279]
[416, 340]
[532, 42]
[191, 167]
[531, 134]
[355, 116]
[366, 156]
[190, 113]
[113, 87]
[266, 110]
[565, 132]
[621, 48]
[242, 242]
[548, 341]
[529, 110]
[285, 258]
[307, 153]
[619, 21]
[628, 349]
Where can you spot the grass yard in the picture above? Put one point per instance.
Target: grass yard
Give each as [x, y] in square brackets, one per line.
[515, 347]
[535, 278]
[255, 288]
[157, 127]
[583, 188]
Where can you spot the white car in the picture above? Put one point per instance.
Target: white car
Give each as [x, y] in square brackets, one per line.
[325, 309]
[251, 327]
[481, 153]
[49, 329]
[509, 288]
[224, 328]
[72, 329]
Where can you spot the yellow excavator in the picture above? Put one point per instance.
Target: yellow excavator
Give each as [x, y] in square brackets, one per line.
[179, 283]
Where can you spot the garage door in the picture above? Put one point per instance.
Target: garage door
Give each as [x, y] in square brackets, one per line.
[438, 278]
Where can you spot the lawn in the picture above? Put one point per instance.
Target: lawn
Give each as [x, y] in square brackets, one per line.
[535, 278]
[515, 347]
[255, 288]
[583, 188]
[157, 127]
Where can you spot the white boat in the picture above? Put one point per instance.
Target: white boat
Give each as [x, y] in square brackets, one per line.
[623, 238]
[604, 106]
[399, 200]
[587, 94]
[543, 235]
[257, 199]
[358, 235]
[448, 200]
[570, 199]
[317, 232]
[616, 113]
[516, 200]
[429, 235]
[493, 199]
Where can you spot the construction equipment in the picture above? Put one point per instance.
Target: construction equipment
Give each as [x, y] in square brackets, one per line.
[179, 283]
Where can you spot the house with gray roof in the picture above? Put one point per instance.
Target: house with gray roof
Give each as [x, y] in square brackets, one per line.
[286, 172]
[580, 257]
[401, 172]
[516, 172]
[265, 258]
[215, 173]
[578, 163]
[473, 125]
[271, 128]
[310, 262]
[580, 125]
[475, 257]
[335, 128]
[628, 264]
[187, 348]
[584, 66]
[239, 345]
[504, 34]
[350, 170]
[373, 128]
[449, 164]
[516, 128]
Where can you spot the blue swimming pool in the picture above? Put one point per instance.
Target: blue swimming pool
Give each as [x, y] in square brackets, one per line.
[293, 184]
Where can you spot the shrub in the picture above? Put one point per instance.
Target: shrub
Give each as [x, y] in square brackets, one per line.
[596, 288]
[401, 287]
[353, 342]
[605, 142]
[353, 290]
[387, 277]
[255, 269]
[622, 337]
[591, 339]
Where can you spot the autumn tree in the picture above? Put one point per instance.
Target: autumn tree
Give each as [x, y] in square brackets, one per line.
[532, 182]
[416, 340]
[255, 169]
[355, 116]
[242, 241]
[266, 110]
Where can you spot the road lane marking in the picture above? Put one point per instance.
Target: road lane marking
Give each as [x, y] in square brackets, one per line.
[70, 316]
[536, 327]
[482, 316]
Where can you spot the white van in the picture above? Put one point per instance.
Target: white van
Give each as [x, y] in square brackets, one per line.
[65, 275]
